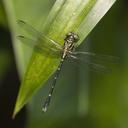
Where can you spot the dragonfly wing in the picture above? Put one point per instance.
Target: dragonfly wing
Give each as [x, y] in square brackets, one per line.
[96, 57]
[35, 34]
[29, 29]
[92, 66]
[39, 47]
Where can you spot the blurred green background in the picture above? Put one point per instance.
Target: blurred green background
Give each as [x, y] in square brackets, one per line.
[82, 98]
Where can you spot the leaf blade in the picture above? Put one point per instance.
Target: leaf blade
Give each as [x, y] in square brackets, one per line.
[41, 67]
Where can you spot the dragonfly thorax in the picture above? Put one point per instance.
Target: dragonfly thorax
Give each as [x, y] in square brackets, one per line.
[70, 40]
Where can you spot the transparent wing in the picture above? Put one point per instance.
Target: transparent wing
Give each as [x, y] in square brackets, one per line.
[39, 47]
[92, 66]
[96, 57]
[35, 34]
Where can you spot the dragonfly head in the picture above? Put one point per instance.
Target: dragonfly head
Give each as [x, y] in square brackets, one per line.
[72, 37]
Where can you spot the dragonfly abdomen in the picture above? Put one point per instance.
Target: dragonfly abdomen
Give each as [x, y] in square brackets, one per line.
[48, 99]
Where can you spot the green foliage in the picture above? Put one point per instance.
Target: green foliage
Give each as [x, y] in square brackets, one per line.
[82, 98]
[65, 16]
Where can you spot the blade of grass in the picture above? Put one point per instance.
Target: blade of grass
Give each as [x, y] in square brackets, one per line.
[79, 16]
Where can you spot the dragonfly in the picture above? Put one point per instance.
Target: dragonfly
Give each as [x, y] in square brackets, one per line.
[67, 50]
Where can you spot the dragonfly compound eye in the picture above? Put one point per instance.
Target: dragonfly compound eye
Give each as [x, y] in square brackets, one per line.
[76, 37]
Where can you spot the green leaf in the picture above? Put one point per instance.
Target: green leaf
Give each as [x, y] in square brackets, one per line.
[79, 16]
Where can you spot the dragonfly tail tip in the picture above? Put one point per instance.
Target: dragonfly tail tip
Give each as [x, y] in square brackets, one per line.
[44, 109]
